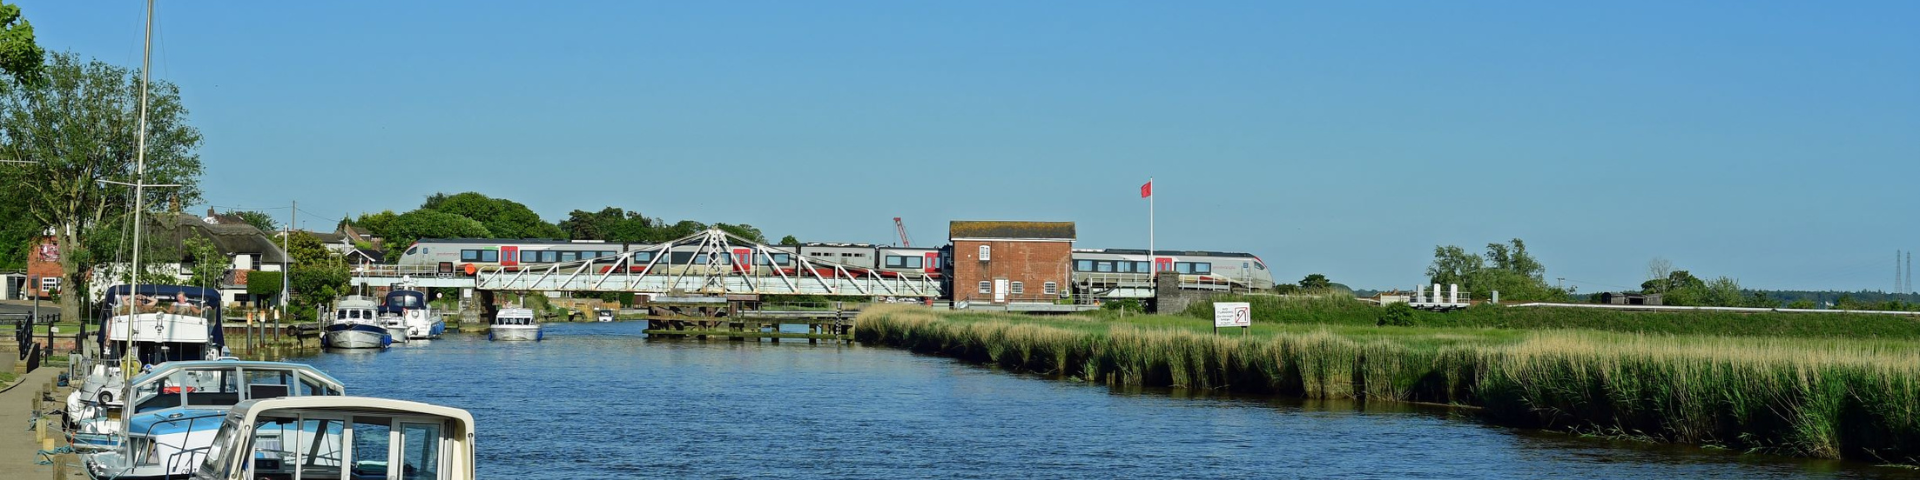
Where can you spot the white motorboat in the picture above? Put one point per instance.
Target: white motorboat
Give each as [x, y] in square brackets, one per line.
[340, 437]
[605, 315]
[515, 324]
[176, 409]
[355, 324]
[146, 325]
[412, 307]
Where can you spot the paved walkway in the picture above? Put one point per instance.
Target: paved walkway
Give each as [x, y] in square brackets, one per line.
[18, 450]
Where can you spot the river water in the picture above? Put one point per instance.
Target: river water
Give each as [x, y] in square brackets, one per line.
[603, 401]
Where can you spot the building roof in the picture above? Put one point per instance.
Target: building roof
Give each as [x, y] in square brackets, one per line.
[995, 229]
[231, 239]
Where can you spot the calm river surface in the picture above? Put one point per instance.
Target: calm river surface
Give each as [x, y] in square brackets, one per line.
[602, 401]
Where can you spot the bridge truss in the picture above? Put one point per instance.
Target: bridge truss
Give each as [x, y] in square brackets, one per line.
[718, 263]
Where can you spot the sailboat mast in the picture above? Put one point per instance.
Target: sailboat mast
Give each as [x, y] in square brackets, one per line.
[140, 174]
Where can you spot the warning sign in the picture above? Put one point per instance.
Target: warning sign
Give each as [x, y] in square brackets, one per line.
[1232, 314]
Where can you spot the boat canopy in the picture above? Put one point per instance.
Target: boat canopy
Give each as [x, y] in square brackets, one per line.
[198, 302]
[399, 300]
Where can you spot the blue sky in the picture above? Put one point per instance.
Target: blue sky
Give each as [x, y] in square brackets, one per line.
[1773, 142]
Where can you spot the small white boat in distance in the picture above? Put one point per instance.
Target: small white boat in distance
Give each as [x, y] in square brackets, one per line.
[308, 437]
[355, 324]
[514, 324]
[605, 315]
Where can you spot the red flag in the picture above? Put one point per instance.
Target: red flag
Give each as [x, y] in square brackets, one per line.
[1146, 190]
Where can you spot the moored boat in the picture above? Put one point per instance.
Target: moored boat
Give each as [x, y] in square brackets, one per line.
[514, 324]
[412, 307]
[176, 408]
[355, 323]
[144, 326]
[340, 437]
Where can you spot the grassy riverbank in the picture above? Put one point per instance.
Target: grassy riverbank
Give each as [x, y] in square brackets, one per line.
[1335, 310]
[1818, 397]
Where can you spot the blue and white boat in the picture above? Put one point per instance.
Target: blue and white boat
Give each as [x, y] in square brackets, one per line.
[515, 324]
[144, 325]
[177, 408]
[412, 308]
[355, 323]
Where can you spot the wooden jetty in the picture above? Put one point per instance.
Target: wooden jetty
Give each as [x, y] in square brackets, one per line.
[740, 317]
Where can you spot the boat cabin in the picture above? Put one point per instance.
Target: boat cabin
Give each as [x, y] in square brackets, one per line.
[332, 438]
[160, 323]
[224, 383]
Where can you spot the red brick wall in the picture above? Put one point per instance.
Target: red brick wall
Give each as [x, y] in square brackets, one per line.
[1032, 263]
[40, 264]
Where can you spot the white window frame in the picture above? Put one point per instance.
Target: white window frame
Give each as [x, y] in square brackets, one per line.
[986, 286]
[1017, 288]
[1050, 288]
[986, 253]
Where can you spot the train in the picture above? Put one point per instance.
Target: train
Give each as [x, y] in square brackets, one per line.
[1094, 271]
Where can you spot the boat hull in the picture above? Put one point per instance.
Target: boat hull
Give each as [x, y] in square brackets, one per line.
[427, 331]
[355, 336]
[515, 333]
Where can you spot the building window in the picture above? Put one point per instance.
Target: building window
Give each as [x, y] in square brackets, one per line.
[1050, 288]
[1017, 289]
[986, 253]
[986, 287]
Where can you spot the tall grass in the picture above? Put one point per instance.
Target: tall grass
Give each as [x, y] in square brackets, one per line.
[1828, 398]
[1333, 310]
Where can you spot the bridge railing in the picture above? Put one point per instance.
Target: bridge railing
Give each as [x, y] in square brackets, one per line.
[719, 270]
[395, 271]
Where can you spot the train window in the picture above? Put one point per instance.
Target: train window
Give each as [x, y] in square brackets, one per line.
[1050, 288]
[783, 258]
[1083, 265]
[569, 256]
[489, 255]
[510, 256]
[1103, 267]
[1202, 267]
[469, 255]
[1017, 289]
[896, 261]
[914, 262]
[1141, 267]
[1123, 267]
[1258, 265]
[986, 287]
[1183, 267]
[549, 256]
[642, 256]
[410, 250]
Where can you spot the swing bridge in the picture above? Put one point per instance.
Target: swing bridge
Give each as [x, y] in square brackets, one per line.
[716, 263]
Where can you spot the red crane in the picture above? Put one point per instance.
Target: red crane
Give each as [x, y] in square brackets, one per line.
[902, 229]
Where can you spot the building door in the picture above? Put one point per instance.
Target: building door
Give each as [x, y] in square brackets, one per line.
[999, 290]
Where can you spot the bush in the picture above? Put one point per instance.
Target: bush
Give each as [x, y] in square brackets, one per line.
[1130, 305]
[1397, 315]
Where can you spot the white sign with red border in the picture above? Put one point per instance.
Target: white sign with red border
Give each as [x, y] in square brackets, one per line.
[1232, 314]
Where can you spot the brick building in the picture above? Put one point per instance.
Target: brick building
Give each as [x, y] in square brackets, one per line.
[1010, 262]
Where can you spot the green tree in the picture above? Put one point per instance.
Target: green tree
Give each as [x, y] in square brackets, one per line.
[744, 231]
[257, 219]
[317, 275]
[789, 240]
[77, 126]
[1454, 265]
[1505, 267]
[503, 218]
[208, 265]
[1315, 283]
[419, 224]
[1803, 304]
[376, 224]
[20, 56]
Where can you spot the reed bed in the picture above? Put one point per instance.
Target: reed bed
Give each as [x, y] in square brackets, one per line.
[1826, 398]
[1340, 310]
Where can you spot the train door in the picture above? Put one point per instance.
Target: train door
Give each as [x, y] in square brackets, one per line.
[933, 263]
[509, 255]
[1162, 264]
[742, 260]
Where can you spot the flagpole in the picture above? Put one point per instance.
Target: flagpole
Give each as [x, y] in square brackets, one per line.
[1153, 266]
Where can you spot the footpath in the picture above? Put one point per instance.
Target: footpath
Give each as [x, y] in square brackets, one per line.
[19, 447]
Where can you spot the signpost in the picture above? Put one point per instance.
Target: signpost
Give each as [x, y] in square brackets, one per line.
[1232, 314]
